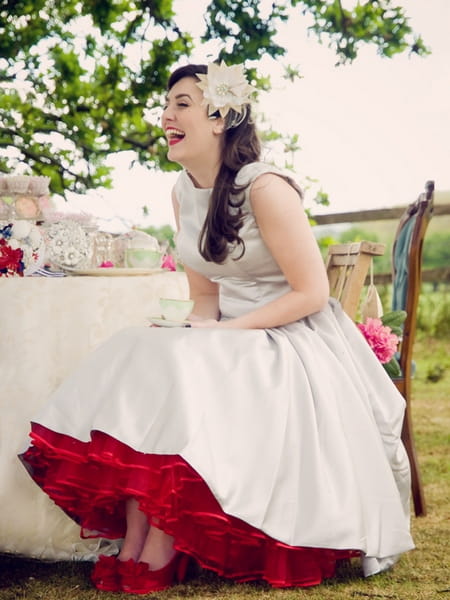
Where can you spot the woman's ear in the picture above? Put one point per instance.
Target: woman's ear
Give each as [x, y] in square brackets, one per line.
[218, 126]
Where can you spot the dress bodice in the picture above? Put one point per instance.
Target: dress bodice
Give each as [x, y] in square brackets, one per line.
[246, 282]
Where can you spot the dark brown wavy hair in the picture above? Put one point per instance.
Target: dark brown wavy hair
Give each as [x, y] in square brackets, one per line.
[240, 146]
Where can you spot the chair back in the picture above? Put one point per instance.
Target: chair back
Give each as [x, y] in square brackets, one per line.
[406, 282]
[407, 267]
[347, 268]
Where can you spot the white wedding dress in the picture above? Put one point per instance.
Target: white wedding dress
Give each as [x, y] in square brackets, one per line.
[266, 453]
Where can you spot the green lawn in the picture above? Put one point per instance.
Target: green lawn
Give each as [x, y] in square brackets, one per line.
[421, 574]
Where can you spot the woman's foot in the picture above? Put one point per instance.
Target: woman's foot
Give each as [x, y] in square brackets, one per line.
[137, 578]
[137, 532]
[148, 561]
[159, 565]
[105, 574]
[158, 550]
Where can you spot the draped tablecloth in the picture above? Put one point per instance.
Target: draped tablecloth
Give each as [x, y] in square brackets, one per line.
[47, 325]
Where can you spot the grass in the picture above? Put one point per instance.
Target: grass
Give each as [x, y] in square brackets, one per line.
[422, 574]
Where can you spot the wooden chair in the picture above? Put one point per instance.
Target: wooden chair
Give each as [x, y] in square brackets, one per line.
[347, 268]
[406, 283]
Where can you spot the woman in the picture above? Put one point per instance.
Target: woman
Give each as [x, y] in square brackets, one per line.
[262, 441]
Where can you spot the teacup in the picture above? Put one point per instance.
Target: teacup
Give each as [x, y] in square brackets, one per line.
[142, 258]
[175, 310]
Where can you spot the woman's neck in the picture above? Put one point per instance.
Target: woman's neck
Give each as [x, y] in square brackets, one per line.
[203, 174]
[206, 182]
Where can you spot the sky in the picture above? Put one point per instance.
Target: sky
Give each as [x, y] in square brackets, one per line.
[371, 133]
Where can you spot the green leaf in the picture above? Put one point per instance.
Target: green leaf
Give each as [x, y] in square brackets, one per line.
[79, 79]
[394, 320]
[392, 368]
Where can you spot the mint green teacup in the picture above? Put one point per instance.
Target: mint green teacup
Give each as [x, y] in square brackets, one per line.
[142, 258]
[175, 310]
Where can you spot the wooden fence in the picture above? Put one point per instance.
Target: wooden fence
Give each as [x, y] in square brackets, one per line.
[441, 275]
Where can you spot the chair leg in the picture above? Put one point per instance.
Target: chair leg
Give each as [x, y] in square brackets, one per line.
[416, 481]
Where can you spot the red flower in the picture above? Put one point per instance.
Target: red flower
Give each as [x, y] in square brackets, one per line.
[380, 338]
[10, 259]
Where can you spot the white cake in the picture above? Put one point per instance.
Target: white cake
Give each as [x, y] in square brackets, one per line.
[23, 196]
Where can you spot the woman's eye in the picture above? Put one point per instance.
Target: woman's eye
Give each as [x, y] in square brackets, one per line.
[182, 104]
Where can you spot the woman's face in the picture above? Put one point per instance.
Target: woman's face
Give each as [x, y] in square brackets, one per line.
[191, 136]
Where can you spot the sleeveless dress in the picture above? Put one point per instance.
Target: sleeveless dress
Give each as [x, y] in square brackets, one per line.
[267, 454]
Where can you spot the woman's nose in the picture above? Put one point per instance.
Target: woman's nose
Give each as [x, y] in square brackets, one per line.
[167, 115]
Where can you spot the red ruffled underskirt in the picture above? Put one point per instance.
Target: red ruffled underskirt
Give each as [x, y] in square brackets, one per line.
[90, 481]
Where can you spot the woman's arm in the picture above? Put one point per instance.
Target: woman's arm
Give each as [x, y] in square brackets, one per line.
[287, 233]
[204, 292]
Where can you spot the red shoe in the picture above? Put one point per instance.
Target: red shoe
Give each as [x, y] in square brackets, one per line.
[105, 575]
[136, 578]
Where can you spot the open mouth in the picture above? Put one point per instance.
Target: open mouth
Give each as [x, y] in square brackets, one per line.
[174, 135]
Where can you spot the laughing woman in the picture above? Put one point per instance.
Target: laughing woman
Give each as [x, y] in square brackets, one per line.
[263, 441]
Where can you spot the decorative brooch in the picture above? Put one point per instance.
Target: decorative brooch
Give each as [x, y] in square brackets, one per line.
[225, 88]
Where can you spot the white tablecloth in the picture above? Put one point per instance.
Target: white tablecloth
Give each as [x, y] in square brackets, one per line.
[46, 327]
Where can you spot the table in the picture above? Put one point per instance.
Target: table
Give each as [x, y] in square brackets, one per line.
[47, 325]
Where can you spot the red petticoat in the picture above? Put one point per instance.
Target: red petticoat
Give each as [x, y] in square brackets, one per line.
[90, 481]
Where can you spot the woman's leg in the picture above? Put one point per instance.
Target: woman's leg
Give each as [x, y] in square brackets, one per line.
[144, 543]
[147, 561]
[137, 531]
[158, 549]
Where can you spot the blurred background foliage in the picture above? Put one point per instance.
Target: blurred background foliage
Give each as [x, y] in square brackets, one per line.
[433, 315]
[80, 81]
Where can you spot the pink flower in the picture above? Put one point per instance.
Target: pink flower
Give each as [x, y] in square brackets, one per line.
[106, 264]
[169, 263]
[380, 338]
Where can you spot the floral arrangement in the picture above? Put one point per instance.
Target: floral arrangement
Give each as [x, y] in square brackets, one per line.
[21, 248]
[225, 88]
[383, 336]
[11, 258]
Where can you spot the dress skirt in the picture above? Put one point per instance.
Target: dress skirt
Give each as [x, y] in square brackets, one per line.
[267, 454]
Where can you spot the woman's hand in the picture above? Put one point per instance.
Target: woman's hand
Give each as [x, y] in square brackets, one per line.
[211, 323]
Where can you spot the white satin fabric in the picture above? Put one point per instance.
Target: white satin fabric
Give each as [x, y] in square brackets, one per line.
[47, 326]
[295, 430]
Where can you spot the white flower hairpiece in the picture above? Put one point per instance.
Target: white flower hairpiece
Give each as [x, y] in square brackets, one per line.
[225, 88]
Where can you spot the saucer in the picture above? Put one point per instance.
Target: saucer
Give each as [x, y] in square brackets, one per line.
[160, 322]
[113, 271]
